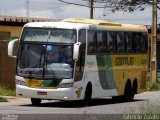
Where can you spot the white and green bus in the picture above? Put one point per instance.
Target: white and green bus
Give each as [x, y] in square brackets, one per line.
[80, 59]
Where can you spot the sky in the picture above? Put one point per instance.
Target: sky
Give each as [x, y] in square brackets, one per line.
[54, 9]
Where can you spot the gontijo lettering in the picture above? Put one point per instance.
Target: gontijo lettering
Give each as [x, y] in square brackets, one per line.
[121, 61]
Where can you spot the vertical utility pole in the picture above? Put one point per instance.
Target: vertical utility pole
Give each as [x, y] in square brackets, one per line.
[153, 62]
[27, 8]
[91, 9]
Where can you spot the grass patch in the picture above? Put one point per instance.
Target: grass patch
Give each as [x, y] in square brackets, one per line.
[153, 86]
[3, 99]
[5, 91]
[145, 109]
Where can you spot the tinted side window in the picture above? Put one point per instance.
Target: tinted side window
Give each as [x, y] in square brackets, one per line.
[81, 58]
[120, 42]
[95, 41]
[129, 42]
[82, 39]
[112, 40]
[137, 42]
[82, 36]
[105, 40]
[101, 42]
[144, 42]
[92, 42]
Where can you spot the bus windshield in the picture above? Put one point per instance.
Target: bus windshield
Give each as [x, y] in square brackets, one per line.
[49, 35]
[45, 61]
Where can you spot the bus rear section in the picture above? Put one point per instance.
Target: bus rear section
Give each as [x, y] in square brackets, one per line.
[119, 65]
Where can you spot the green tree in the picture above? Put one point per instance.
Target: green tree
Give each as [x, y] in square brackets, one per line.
[127, 5]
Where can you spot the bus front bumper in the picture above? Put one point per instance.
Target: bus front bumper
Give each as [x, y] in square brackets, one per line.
[53, 94]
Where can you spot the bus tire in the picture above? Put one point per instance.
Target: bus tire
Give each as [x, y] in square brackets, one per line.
[128, 92]
[35, 101]
[135, 86]
[88, 94]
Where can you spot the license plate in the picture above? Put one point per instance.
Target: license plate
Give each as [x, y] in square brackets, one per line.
[41, 93]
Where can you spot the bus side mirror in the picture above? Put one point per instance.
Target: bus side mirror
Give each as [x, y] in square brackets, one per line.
[11, 46]
[76, 50]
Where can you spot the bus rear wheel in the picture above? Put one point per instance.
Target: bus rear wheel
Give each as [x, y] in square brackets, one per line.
[128, 92]
[35, 101]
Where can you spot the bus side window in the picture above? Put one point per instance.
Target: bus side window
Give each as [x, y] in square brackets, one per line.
[111, 36]
[91, 42]
[105, 40]
[81, 58]
[138, 43]
[101, 43]
[144, 42]
[95, 39]
[91, 47]
[120, 42]
[129, 42]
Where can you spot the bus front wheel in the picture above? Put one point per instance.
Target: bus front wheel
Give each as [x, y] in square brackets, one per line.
[88, 94]
[35, 101]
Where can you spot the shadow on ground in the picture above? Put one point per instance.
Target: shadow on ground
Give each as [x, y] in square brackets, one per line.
[81, 104]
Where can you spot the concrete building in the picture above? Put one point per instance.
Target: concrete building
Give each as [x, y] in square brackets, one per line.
[10, 26]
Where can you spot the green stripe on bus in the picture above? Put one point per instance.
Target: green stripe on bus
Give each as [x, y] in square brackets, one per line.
[104, 63]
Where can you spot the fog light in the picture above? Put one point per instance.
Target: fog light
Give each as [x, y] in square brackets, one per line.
[65, 97]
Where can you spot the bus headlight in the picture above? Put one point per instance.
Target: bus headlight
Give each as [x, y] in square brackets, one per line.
[65, 85]
[19, 82]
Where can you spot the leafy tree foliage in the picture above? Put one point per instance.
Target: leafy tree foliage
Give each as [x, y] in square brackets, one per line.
[127, 5]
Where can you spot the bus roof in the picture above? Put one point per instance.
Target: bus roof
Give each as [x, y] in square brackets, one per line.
[60, 24]
[108, 25]
[92, 21]
[82, 23]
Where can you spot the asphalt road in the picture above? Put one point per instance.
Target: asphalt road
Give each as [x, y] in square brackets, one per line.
[142, 102]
